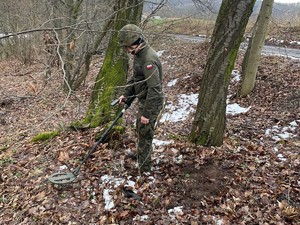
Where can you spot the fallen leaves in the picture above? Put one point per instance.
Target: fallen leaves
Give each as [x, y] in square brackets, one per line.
[242, 182]
[288, 211]
[63, 156]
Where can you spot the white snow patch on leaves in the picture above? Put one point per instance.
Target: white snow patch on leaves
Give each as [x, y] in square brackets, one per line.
[157, 142]
[236, 76]
[187, 104]
[159, 53]
[278, 133]
[142, 218]
[108, 199]
[172, 82]
[176, 211]
[234, 109]
[110, 183]
[181, 111]
[63, 167]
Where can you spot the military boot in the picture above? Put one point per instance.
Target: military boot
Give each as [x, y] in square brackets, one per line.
[132, 155]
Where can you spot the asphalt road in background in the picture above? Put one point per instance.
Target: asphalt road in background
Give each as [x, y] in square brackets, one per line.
[267, 49]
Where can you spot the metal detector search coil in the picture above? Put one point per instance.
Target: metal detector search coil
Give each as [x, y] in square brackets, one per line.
[62, 178]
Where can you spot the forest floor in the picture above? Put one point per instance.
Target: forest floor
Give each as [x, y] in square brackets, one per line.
[253, 178]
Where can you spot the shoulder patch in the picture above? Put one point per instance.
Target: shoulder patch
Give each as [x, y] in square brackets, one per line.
[149, 67]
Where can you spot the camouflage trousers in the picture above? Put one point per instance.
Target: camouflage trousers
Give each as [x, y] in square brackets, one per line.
[145, 133]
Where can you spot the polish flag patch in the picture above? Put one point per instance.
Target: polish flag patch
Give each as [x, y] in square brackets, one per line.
[149, 67]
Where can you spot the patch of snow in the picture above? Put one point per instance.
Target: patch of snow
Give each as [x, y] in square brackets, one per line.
[179, 159]
[159, 53]
[295, 42]
[108, 199]
[236, 75]
[275, 149]
[111, 182]
[64, 167]
[278, 133]
[182, 110]
[172, 83]
[175, 211]
[142, 218]
[130, 183]
[218, 221]
[285, 135]
[187, 104]
[281, 157]
[294, 124]
[268, 131]
[157, 142]
[108, 179]
[233, 109]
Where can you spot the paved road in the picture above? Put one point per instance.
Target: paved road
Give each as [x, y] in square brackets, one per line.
[269, 50]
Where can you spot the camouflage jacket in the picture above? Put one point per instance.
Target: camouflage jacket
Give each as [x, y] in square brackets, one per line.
[146, 81]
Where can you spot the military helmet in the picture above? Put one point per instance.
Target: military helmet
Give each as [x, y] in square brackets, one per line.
[129, 34]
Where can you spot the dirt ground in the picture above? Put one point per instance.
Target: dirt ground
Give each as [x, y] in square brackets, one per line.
[251, 179]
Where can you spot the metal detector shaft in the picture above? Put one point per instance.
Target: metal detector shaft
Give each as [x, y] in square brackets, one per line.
[64, 178]
[76, 171]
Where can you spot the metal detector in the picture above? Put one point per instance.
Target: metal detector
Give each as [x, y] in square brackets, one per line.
[65, 178]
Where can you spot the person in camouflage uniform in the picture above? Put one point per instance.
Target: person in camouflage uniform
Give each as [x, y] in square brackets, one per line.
[145, 84]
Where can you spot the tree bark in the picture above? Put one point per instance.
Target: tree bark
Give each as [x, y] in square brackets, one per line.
[210, 119]
[256, 43]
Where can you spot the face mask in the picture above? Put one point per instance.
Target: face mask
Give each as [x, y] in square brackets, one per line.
[133, 51]
[138, 42]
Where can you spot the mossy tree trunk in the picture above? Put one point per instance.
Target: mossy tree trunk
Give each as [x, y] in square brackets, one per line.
[113, 73]
[210, 119]
[256, 43]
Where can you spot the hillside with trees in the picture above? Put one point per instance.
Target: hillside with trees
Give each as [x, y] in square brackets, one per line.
[218, 157]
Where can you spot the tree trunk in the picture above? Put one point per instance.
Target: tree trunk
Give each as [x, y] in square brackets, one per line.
[88, 56]
[256, 43]
[112, 76]
[210, 118]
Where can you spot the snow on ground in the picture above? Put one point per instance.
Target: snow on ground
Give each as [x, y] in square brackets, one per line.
[63, 167]
[280, 41]
[175, 212]
[142, 218]
[234, 109]
[111, 183]
[159, 53]
[172, 83]
[186, 105]
[278, 133]
[158, 143]
[236, 76]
